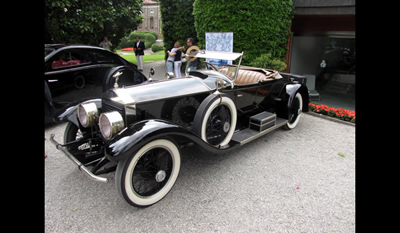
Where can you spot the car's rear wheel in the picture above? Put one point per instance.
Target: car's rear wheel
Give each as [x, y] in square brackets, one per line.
[215, 120]
[149, 174]
[79, 81]
[295, 112]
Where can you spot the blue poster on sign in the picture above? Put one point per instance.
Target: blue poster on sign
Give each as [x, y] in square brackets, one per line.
[219, 42]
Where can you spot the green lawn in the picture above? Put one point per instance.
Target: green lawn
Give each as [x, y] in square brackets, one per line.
[158, 56]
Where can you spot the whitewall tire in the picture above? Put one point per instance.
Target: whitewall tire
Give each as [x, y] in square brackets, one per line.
[295, 112]
[215, 120]
[148, 175]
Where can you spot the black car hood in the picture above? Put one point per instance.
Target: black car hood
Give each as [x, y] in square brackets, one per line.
[157, 90]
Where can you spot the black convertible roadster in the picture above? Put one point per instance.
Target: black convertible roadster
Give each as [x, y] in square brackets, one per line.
[138, 130]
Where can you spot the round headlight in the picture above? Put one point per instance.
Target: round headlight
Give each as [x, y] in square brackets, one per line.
[87, 114]
[110, 124]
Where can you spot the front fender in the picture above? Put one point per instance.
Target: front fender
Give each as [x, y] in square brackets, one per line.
[68, 113]
[134, 137]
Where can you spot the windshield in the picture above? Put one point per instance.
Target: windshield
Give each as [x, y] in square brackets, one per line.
[209, 77]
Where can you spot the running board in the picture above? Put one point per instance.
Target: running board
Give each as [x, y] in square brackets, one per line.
[248, 135]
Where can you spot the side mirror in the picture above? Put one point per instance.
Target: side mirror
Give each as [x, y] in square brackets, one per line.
[152, 72]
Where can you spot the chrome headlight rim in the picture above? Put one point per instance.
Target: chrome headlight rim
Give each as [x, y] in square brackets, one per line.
[87, 114]
[110, 124]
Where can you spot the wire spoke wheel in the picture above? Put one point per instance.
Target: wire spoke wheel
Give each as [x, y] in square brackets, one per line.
[218, 125]
[215, 120]
[149, 174]
[152, 172]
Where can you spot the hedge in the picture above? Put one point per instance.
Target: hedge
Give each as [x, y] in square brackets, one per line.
[258, 26]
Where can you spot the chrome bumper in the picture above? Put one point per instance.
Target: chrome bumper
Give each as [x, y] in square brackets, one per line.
[80, 165]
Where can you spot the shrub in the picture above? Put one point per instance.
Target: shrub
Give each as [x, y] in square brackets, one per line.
[259, 27]
[155, 48]
[133, 35]
[130, 40]
[155, 34]
[149, 41]
[124, 43]
[265, 61]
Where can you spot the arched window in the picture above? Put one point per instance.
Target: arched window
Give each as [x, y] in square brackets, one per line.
[151, 22]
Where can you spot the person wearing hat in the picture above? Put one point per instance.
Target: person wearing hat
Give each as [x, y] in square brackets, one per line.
[192, 50]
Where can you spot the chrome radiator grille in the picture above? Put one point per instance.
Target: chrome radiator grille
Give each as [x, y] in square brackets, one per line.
[109, 106]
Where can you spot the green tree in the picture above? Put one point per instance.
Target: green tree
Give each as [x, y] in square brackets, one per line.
[177, 21]
[87, 22]
[258, 26]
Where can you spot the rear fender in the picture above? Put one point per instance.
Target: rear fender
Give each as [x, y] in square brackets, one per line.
[134, 137]
[287, 96]
[292, 89]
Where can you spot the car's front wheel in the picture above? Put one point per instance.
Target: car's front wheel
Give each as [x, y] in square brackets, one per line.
[149, 174]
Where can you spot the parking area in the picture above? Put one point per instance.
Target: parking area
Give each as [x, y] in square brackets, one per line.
[301, 180]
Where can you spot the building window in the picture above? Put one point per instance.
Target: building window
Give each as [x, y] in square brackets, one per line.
[151, 22]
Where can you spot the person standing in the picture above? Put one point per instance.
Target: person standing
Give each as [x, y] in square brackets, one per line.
[178, 64]
[139, 52]
[170, 60]
[174, 60]
[105, 44]
[193, 51]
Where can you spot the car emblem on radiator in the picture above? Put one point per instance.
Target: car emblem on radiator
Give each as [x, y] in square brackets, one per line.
[116, 76]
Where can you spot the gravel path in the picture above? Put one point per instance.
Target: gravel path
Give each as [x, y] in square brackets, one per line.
[285, 181]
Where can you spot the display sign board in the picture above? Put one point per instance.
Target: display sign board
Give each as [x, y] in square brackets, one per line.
[220, 42]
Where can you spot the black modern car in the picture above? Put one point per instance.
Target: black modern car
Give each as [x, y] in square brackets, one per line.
[74, 73]
[138, 130]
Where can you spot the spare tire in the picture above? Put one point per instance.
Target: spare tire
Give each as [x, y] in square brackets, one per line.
[215, 120]
[184, 111]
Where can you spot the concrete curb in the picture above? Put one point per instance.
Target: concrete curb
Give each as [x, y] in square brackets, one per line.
[331, 118]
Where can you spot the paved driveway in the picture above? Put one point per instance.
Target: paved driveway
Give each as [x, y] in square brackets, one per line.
[286, 181]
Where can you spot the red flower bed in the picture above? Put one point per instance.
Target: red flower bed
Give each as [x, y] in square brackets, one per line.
[340, 113]
[127, 49]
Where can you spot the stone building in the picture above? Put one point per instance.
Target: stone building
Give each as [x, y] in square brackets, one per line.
[151, 17]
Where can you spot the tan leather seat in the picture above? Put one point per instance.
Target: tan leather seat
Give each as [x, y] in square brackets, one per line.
[244, 76]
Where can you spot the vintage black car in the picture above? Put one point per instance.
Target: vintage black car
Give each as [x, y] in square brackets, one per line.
[139, 130]
[77, 72]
